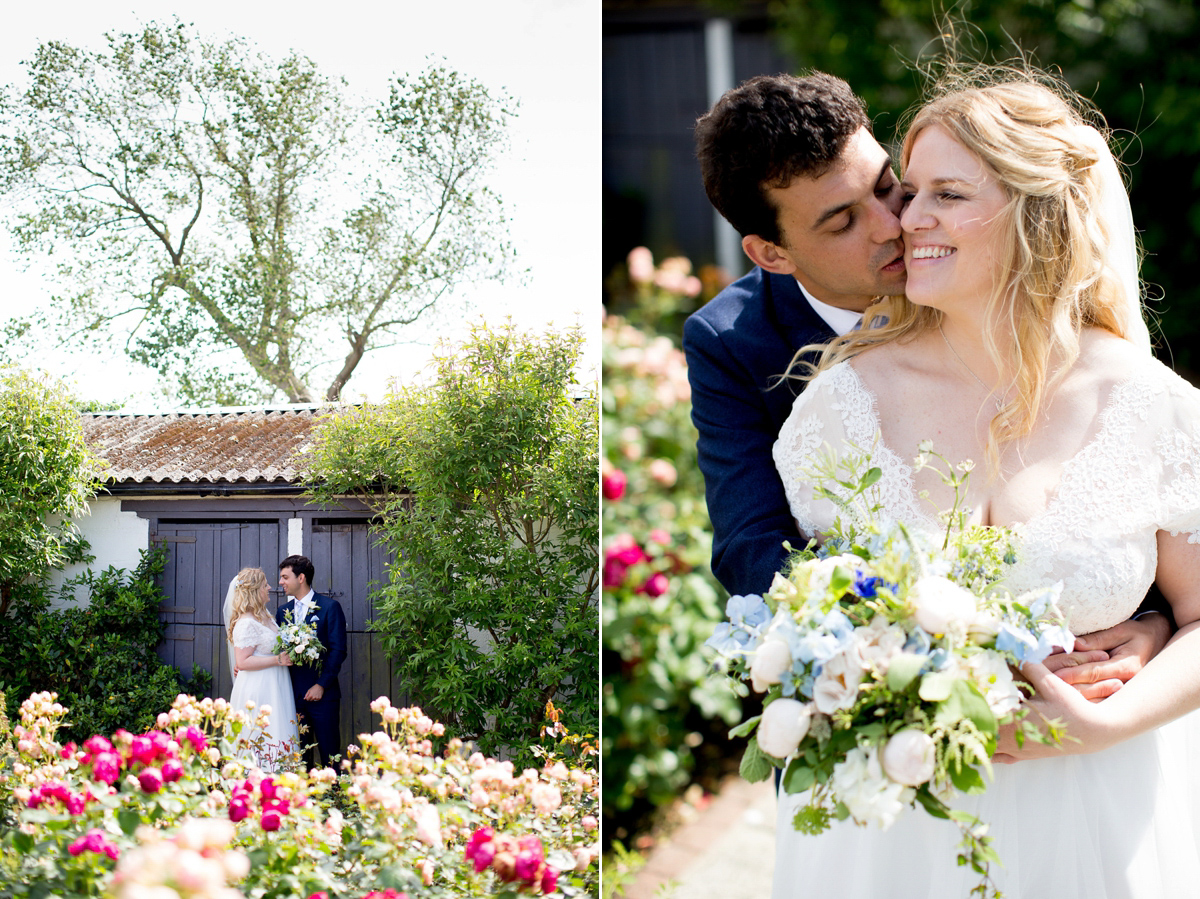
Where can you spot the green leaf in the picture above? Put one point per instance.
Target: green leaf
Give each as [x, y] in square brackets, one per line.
[755, 766]
[869, 478]
[746, 727]
[903, 670]
[965, 701]
[129, 820]
[936, 686]
[799, 777]
[965, 778]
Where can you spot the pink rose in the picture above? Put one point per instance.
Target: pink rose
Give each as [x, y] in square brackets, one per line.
[613, 484]
[656, 585]
[271, 820]
[480, 848]
[151, 780]
[549, 879]
[195, 736]
[172, 770]
[106, 766]
[239, 809]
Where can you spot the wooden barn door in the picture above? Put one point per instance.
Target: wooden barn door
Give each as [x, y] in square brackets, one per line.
[204, 557]
[348, 560]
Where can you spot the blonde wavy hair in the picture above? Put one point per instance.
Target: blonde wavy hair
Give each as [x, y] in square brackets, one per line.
[247, 599]
[1026, 129]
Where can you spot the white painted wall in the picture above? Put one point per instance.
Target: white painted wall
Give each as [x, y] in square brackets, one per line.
[117, 538]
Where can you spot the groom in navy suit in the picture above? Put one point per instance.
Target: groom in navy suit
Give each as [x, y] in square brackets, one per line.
[318, 694]
[791, 163]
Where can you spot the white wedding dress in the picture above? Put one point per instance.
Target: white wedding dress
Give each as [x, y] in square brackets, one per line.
[266, 686]
[1124, 822]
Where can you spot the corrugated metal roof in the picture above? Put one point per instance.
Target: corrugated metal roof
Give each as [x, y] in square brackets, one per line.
[244, 445]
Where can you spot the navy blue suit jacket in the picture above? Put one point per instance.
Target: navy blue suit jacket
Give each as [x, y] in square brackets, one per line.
[331, 631]
[736, 346]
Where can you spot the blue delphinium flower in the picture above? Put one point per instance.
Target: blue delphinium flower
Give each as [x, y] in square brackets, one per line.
[1018, 641]
[865, 585]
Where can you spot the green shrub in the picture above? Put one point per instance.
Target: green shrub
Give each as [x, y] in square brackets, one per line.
[100, 659]
[490, 607]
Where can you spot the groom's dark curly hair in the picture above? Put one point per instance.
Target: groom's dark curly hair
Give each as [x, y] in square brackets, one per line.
[768, 131]
[300, 565]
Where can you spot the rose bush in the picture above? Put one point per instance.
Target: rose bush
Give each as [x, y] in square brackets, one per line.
[661, 707]
[184, 807]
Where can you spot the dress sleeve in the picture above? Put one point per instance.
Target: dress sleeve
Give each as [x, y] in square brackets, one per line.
[244, 633]
[817, 426]
[1178, 451]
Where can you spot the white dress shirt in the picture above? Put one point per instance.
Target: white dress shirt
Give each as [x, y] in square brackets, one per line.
[841, 321]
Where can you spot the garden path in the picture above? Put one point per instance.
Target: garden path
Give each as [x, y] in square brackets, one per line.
[726, 852]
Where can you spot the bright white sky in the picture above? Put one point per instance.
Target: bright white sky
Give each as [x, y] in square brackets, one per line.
[544, 53]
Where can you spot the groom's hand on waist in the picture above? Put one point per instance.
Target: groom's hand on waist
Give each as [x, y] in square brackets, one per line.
[1102, 662]
[314, 694]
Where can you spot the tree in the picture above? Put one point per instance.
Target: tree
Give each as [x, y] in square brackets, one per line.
[47, 475]
[246, 226]
[487, 487]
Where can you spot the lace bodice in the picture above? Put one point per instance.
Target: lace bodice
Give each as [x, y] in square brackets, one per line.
[249, 631]
[1138, 475]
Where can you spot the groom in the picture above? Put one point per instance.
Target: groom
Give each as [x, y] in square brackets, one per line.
[792, 165]
[318, 694]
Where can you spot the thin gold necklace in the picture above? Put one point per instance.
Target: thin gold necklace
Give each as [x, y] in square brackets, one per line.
[991, 394]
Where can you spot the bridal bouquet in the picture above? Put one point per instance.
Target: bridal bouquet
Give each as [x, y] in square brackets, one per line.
[299, 640]
[885, 657]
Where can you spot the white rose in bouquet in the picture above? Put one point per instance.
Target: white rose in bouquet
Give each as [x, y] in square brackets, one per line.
[880, 642]
[784, 724]
[942, 606]
[771, 660]
[872, 797]
[991, 674]
[836, 686]
[908, 758]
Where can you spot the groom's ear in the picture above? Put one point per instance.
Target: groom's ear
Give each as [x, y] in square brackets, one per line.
[767, 255]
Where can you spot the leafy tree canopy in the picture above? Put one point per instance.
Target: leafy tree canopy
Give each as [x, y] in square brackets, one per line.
[488, 491]
[47, 475]
[244, 226]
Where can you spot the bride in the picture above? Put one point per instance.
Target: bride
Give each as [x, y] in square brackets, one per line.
[1020, 344]
[262, 676]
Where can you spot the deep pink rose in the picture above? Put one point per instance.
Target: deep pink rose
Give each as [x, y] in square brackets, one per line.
[142, 750]
[151, 780]
[195, 736]
[76, 804]
[172, 770]
[239, 809]
[480, 849]
[613, 484]
[106, 767]
[549, 879]
[267, 788]
[97, 744]
[271, 820]
[656, 585]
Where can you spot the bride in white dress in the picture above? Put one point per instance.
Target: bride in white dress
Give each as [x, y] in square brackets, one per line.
[262, 675]
[1020, 344]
